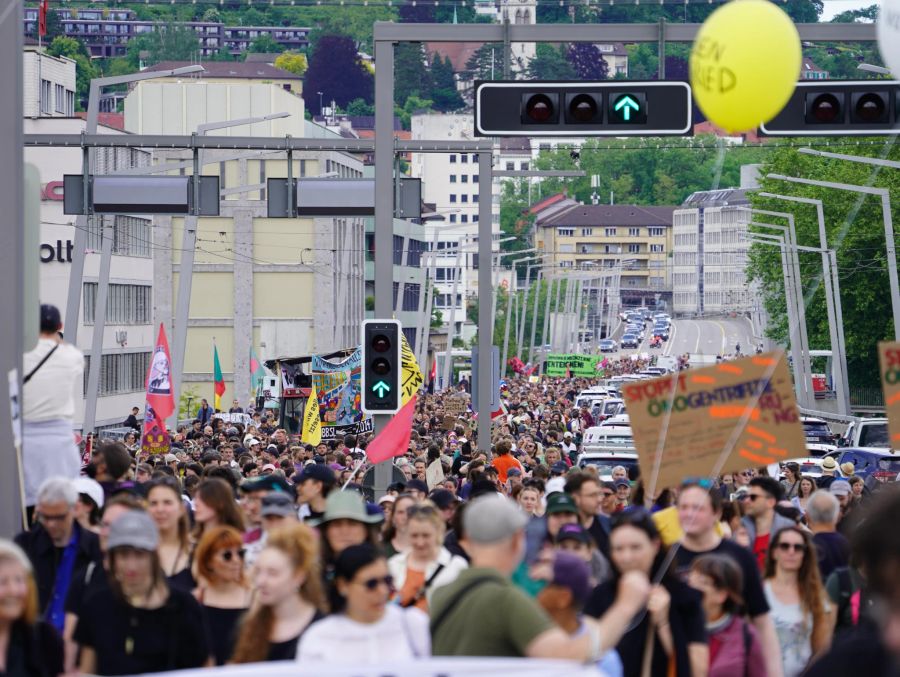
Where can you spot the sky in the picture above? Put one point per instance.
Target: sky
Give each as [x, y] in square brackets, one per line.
[833, 7]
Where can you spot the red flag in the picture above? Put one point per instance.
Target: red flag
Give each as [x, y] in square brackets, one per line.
[433, 375]
[42, 17]
[160, 399]
[394, 439]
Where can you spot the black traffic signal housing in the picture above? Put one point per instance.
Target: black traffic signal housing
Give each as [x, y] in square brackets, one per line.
[381, 372]
[838, 108]
[522, 108]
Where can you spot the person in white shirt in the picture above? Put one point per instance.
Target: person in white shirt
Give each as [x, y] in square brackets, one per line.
[365, 627]
[51, 372]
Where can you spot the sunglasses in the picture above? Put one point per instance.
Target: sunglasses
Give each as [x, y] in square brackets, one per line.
[229, 555]
[796, 547]
[753, 497]
[372, 584]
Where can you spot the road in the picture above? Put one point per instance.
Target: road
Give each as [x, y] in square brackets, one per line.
[714, 336]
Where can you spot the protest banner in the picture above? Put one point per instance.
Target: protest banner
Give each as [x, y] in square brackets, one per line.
[412, 375]
[337, 387]
[456, 405]
[160, 402]
[889, 362]
[558, 364]
[707, 407]
[243, 419]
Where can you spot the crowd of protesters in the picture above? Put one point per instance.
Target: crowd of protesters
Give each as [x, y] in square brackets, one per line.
[244, 545]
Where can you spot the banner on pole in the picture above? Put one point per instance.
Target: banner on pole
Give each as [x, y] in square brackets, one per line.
[337, 387]
[707, 407]
[889, 362]
[160, 399]
[558, 364]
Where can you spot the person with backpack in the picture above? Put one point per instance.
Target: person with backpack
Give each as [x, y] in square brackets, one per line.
[734, 646]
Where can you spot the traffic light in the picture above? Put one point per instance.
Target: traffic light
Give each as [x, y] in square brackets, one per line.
[382, 368]
[838, 108]
[521, 108]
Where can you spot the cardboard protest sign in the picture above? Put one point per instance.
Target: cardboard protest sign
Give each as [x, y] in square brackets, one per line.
[434, 474]
[889, 361]
[456, 405]
[707, 407]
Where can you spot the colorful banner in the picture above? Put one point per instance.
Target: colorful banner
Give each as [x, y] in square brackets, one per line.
[337, 386]
[707, 406]
[160, 400]
[558, 364]
[412, 375]
[889, 360]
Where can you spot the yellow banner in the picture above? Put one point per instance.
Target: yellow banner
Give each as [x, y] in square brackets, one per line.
[311, 432]
[412, 375]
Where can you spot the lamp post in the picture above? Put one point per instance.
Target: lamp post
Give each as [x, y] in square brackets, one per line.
[884, 194]
[833, 303]
[76, 273]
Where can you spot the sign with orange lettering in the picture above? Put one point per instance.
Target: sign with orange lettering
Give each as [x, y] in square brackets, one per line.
[889, 360]
[742, 409]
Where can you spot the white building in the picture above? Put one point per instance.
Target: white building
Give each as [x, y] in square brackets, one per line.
[128, 337]
[49, 85]
[450, 183]
[710, 254]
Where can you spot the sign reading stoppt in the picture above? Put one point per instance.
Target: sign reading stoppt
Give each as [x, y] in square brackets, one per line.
[889, 361]
[708, 406]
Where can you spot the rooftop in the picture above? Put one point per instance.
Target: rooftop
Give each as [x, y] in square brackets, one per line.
[612, 215]
[229, 69]
[717, 198]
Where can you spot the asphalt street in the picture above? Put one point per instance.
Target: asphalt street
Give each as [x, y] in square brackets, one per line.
[708, 337]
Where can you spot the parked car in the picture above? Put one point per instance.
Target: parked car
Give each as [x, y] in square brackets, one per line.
[630, 341]
[607, 346]
[867, 432]
[606, 461]
[873, 465]
[819, 438]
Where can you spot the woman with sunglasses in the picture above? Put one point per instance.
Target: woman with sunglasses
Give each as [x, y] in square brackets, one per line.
[288, 596]
[166, 507]
[669, 636]
[428, 564]
[796, 599]
[222, 587]
[806, 486]
[365, 627]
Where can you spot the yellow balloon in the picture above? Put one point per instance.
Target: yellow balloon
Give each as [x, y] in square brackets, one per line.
[745, 63]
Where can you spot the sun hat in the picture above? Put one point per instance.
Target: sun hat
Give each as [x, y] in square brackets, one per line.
[348, 505]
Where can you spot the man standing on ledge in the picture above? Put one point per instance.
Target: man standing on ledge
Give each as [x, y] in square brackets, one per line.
[51, 373]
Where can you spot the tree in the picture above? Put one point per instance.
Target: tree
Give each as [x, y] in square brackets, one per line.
[292, 62]
[413, 105]
[515, 221]
[486, 63]
[414, 13]
[359, 107]
[265, 44]
[550, 63]
[211, 14]
[85, 69]
[411, 78]
[54, 27]
[864, 15]
[336, 71]
[165, 43]
[587, 61]
[444, 93]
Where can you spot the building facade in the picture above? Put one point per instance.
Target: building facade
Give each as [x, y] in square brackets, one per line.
[710, 254]
[49, 85]
[285, 287]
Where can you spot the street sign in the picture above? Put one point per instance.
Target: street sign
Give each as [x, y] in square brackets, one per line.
[382, 368]
[338, 197]
[521, 108]
[140, 195]
[839, 108]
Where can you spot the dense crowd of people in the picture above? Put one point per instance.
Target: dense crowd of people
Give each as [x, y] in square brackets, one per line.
[244, 545]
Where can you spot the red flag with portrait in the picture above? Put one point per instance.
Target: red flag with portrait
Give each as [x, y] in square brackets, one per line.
[160, 398]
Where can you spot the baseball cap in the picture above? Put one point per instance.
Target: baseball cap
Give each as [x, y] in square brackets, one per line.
[559, 468]
[135, 529]
[277, 505]
[609, 485]
[622, 483]
[492, 518]
[560, 502]
[840, 488]
[573, 532]
[269, 467]
[387, 498]
[829, 463]
[417, 485]
[267, 483]
[250, 441]
[316, 471]
[442, 498]
[50, 318]
[567, 434]
[513, 472]
[170, 458]
[86, 485]
[570, 571]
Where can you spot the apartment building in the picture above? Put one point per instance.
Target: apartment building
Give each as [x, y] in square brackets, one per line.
[49, 85]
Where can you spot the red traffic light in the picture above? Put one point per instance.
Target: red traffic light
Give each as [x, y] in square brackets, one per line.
[381, 343]
[539, 109]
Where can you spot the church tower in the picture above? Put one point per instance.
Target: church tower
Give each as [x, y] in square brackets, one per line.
[520, 12]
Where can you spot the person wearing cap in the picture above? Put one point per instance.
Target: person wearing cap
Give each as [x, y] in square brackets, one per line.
[345, 522]
[52, 372]
[417, 488]
[847, 517]
[623, 494]
[314, 484]
[576, 539]
[139, 624]
[568, 586]
[89, 504]
[483, 614]
[561, 510]
[568, 446]
[829, 466]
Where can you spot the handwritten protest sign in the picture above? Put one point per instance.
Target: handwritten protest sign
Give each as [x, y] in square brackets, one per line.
[889, 360]
[456, 405]
[707, 407]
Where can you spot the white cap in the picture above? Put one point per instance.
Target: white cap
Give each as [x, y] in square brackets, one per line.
[85, 485]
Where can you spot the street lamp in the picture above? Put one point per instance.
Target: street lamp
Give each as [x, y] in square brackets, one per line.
[833, 302]
[885, 196]
[320, 102]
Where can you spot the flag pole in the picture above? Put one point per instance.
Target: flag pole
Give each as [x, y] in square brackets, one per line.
[353, 474]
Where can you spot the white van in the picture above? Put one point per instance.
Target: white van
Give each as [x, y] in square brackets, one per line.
[599, 439]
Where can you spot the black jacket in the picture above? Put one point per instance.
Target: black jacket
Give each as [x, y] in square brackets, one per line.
[40, 550]
[132, 422]
[35, 649]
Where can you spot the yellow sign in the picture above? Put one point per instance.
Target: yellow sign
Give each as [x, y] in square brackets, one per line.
[889, 359]
[412, 375]
[707, 406]
[311, 432]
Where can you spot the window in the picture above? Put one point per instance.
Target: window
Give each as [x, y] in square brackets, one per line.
[474, 157]
[474, 178]
[525, 166]
[610, 232]
[634, 248]
[120, 373]
[453, 218]
[587, 232]
[59, 98]
[566, 232]
[475, 218]
[453, 178]
[475, 197]
[46, 96]
[125, 303]
[445, 274]
[453, 197]
[656, 232]
[464, 198]
[131, 235]
[70, 103]
[634, 232]
[464, 158]
[656, 248]
[510, 166]
[464, 178]
[398, 250]
[452, 159]
[464, 218]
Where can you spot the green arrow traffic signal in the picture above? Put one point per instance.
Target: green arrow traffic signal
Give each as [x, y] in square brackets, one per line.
[625, 105]
[381, 388]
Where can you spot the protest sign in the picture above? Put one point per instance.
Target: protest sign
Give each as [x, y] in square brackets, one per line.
[456, 405]
[889, 361]
[707, 407]
[558, 364]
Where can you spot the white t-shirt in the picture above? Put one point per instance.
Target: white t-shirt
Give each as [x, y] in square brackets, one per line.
[794, 630]
[400, 635]
[50, 394]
